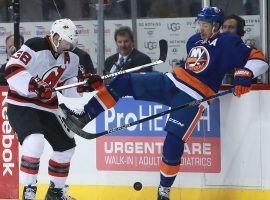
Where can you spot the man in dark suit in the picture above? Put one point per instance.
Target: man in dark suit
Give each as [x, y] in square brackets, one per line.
[127, 56]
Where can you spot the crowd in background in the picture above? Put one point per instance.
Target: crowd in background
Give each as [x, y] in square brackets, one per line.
[45, 10]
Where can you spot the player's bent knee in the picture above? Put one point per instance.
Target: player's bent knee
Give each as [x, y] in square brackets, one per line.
[33, 145]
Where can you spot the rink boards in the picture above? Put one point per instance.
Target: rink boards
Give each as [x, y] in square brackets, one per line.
[226, 157]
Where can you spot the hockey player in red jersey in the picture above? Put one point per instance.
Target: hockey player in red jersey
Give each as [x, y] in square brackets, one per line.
[38, 66]
[210, 54]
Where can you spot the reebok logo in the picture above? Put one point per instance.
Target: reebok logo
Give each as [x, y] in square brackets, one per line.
[8, 138]
[176, 122]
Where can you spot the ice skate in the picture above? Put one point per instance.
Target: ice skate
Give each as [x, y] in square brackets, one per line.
[29, 192]
[164, 193]
[58, 193]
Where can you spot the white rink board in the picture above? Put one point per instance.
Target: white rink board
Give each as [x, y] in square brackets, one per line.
[245, 151]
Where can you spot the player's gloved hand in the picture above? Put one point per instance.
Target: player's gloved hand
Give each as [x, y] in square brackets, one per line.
[93, 82]
[40, 87]
[242, 81]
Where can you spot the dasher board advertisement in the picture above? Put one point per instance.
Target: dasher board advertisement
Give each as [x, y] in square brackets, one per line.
[139, 148]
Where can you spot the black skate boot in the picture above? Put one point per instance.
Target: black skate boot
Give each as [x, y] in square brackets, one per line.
[29, 192]
[58, 193]
[163, 193]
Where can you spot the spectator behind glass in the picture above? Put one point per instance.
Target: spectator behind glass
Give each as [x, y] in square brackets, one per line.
[235, 24]
[10, 50]
[127, 56]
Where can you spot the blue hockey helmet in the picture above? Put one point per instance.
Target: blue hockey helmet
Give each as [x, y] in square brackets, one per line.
[211, 14]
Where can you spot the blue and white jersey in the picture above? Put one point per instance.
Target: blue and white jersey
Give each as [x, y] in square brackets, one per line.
[208, 61]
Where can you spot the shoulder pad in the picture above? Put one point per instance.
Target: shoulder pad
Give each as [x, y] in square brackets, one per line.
[37, 44]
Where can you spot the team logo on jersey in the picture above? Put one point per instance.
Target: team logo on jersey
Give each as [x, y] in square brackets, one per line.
[198, 59]
[53, 75]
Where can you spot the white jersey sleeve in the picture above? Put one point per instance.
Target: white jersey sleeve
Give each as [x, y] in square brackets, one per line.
[257, 66]
[18, 64]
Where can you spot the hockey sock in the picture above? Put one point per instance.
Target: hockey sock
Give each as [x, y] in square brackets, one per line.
[32, 148]
[58, 172]
[172, 152]
[29, 170]
[59, 167]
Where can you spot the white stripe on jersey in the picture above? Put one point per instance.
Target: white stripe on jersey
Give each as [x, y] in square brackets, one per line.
[186, 89]
[258, 67]
[31, 105]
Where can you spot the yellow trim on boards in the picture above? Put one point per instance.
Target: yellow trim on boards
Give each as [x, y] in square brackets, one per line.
[83, 192]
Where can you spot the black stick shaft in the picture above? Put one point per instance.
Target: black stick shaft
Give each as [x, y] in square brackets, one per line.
[162, 57]
[16, 18]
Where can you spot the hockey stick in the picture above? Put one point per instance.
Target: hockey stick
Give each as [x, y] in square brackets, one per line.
[163, 46]
[77, 130]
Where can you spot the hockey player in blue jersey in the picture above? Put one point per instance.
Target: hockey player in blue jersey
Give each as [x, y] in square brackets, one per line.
[210, 54]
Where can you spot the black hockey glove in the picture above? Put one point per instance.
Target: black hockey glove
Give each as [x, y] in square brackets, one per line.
[40, 87]
[93, 82]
